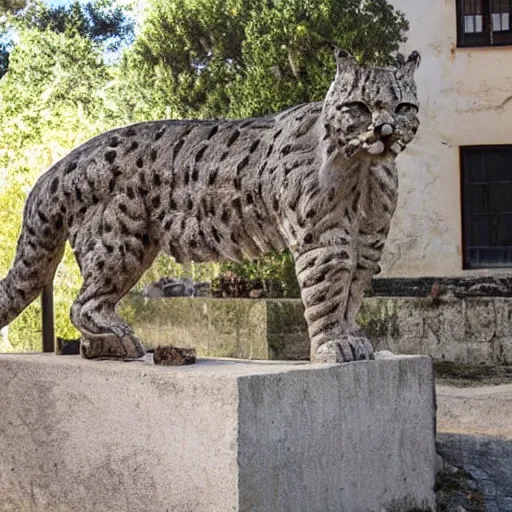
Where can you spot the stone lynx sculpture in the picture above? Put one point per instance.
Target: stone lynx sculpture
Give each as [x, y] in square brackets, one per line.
[318, 178]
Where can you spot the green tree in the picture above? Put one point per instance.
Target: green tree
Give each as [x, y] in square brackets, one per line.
[11, 6]
[100, 21]
[54, 97]
[50, 76]
[236, 58]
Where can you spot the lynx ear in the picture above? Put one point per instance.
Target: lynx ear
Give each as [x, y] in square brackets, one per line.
[409, 65]
[344, 60]
[400, 60]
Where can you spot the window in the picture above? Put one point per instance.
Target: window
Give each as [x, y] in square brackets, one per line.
[487, 206]
[484, 22]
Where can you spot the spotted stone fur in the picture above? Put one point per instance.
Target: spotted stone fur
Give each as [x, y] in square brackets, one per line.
[318, 178]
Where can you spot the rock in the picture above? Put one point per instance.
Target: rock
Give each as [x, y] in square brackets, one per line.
[176, 287]
[174, 356]
[67, 347]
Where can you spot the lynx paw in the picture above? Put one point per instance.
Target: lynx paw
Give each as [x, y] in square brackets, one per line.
[134, 349]
[345, 350]
[111, 347]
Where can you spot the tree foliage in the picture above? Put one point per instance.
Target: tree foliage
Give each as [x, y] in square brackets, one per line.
[99, 21]
[11, 6]
[236, 58]
[51, 75]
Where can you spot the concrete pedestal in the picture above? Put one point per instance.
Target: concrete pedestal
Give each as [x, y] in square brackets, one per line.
[219, 436]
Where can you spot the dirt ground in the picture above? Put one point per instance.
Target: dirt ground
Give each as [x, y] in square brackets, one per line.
[474, 407]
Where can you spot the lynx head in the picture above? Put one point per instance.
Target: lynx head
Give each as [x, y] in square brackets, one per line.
[372, 109]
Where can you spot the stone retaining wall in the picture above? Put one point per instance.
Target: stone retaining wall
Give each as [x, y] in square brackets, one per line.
[240, 328]
[470, 331]
[467, 331]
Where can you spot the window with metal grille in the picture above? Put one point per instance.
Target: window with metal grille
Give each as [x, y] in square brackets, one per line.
[487, 206]
[484, 22]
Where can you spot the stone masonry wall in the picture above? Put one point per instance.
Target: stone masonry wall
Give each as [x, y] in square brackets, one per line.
[469, 331]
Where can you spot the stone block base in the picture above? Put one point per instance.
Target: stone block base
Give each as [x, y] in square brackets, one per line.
[218, 436]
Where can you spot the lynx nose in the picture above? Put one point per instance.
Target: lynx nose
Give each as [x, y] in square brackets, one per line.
[385, 130]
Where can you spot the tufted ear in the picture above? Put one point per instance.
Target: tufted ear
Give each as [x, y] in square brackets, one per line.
[344, 60]
[408, 66]
[400, 60]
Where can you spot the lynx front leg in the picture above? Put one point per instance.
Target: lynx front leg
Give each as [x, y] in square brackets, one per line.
[370, 252]
[325, 275]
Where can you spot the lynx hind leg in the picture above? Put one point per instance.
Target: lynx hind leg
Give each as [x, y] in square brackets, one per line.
[325, 275]
[110, 266]
[104, 333]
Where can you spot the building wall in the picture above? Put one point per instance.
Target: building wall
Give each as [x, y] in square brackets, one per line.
[466, 99]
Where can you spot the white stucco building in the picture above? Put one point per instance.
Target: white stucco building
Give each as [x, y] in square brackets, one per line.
[455, 209]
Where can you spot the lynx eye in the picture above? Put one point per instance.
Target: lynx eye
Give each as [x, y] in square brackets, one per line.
[353, 107]
[406, 108]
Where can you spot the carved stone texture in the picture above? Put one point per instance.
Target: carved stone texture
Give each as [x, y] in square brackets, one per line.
[319, 179]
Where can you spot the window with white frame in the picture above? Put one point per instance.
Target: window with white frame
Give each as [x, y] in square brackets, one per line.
[484, 22]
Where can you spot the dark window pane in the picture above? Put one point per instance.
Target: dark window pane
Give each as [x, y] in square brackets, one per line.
[502, 38]
[474, 166]
[490, 257]
[500, 197]
[472, 7]
[505, 230]
[498, 164]
[479, 231]
[487, 181]
[477, 197]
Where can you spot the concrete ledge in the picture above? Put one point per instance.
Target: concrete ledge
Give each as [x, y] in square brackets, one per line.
[218, 436]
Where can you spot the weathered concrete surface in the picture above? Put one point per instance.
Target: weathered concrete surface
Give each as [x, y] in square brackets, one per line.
[470, 331]
[218, 436]
[475, 434]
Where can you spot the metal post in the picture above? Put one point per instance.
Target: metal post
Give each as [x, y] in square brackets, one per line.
[47, 319]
